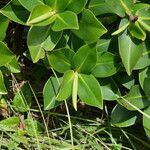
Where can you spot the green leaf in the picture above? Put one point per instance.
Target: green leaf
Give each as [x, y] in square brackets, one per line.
[9, 124]
[139, 6]
[66, 86]
[116, 7]
[76, 5]
[99, 7]
[85, 59]
[58, 5]
[41, 15]
[103, 45]
[106, 66]
[146, 122]
[123, 25]
[13, 66]
[6, 54]
[50, 91]
[2, 84]
[60, 59]
[144, 60]
[41, 39]
[121, 117]
[23, 98]
[3, 26]
[144, 79]
[125, 80]
[33, 127]
[65, 20]
[144, 17]
[109, 88]
[89, 90]
[136, 31]
[90, 28]
[130, 51]
[29, 5]
[134, 97]
[15, 12]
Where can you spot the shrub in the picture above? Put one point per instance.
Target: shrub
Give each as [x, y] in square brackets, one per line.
[89, 51]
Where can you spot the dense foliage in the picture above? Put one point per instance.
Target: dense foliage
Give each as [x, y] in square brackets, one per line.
[92, 53]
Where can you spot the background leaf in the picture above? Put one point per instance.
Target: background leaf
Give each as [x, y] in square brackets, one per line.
[76, 5]
[14, 11]
[134, 97]
[22, 99]
[65, 20]
[146, 122]
[60, 59]
[130, 51]
[50, 91]
[2, 84]
[85, 59]
[9, 124]
[6, 54]
[90, 28]
[144, 79]
[106, 66]
[41, 39]
[3, 26]
[110, 90]
[121, 117]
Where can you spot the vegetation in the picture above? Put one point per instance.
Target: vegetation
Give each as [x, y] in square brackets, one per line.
[75, 74]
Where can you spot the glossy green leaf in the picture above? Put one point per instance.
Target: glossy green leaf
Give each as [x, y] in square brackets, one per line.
[2, 84]
[29, 5]
[109, 88]
[60, 59]
[76, 6]
[13, 66]
[50, 92]
[144, 60]
[41, 39]
[57, 5]
[135, 97]
[90, 28]
[106, 66]
[89, 90]
[130, 51]
[120, 7]
[103, 45]
[144, 79]
[41, 15]
[6, 54]
[3, 26]
[121, 117]
[138, 6]
[66, 86]
[99, 7]
[136, 31]
[146, 122]
[22, 99]
[85, 59]
[123, 25]
[144, 17]
[9, 124]
[15, 12]
[65, 20]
